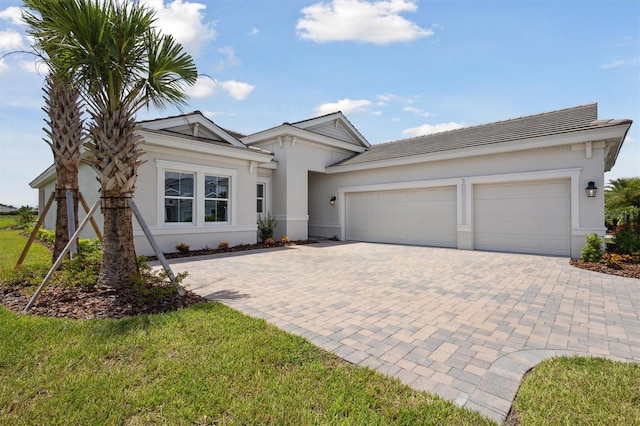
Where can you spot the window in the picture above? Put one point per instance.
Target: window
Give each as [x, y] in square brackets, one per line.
[260, 198]
[195, 195]
[178, 197]
[216, 198]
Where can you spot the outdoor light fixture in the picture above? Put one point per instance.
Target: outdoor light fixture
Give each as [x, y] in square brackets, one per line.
[332, 201]
[591, 189]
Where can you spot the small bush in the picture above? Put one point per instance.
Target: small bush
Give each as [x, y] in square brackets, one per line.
[627, 241]
[47, 236]
[284, 239]
[183, 248]
[154, 285]
[266, 226]
[592, 250]
[614, 260]
[269, 241]
[25, 217]
[222, 245]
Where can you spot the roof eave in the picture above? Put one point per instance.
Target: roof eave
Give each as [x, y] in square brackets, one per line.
[601, 133]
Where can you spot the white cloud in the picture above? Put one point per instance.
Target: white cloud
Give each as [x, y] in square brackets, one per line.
[35, 67]
[237, 89]
[11, 40]
[203, 88]
[417, 111]
[347, 106]
[3, 66]
[427, 129]
[377, 22]
[184, 21]
[620, 63]
[254, 31]
[12, 14]
[206, 87]
[230, 58]
[214, 114]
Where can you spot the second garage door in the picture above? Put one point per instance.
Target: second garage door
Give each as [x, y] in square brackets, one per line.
[524, 217]
[424, 216]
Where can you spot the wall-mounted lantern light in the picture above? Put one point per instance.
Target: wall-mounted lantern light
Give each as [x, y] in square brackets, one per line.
[591, 189]
[332, 201]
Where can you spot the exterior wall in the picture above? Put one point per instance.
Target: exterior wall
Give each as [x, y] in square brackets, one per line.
[149, 198]
[290, 182]
[539, 164]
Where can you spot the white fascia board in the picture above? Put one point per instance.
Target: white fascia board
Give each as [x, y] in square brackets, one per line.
[165, 123]
[49, 175]
[179, 143]
[302, 135]
[333, 117]
[490, 149]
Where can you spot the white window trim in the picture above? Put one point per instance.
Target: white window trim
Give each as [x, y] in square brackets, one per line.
[266, 205]
[200, 171]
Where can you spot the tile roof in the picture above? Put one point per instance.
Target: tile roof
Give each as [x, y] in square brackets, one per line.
[532, 126]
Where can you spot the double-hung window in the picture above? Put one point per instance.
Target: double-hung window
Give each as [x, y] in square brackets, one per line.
[178, 197]
[216, 198]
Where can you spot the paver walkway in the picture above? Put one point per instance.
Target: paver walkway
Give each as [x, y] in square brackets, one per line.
[465, 325]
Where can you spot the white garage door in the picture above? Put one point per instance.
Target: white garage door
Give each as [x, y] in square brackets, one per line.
[524, 217]
[409, 216]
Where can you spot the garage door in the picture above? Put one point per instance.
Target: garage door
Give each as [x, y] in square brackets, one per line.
[524, 217]
[410, 216]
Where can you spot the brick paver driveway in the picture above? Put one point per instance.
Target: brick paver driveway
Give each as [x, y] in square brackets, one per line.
[465, 325]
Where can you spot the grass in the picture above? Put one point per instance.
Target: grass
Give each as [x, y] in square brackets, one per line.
[210, 364]
[580, 391]
[12, 243]
[205, 365]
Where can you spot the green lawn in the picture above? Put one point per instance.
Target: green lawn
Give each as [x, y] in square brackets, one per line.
[12, 242]
[210, 364]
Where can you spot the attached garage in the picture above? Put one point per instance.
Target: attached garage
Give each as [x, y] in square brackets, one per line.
[421, 216]
[525, 217]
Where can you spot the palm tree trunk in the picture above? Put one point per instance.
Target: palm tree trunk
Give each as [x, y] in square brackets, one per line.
[119, 263]
[114, 143]
[65, 138]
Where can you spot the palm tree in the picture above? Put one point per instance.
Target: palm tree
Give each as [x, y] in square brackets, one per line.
[622, 200]
[64, 122]
[120, 63]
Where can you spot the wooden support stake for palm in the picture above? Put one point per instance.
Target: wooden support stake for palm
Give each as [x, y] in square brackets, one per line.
[32, 237]
[94, 224]
[58, 261]
[154, 245]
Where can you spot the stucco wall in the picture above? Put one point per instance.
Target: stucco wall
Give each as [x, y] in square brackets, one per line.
[325, 220]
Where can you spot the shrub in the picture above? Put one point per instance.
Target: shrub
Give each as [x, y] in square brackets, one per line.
[627, 241]
[183, 248]
[269, 241]
[153, 284]
[47, 236]
[266, 226]
[223, 245]
[592, 250]
[25, 217]
[614, 260]
[284, 239]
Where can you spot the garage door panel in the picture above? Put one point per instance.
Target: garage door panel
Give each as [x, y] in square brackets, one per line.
[527, 217]
[414, 216]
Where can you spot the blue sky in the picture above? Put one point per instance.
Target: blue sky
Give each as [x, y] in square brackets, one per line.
[396, 68]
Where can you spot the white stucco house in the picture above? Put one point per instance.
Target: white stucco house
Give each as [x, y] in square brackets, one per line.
[516, 185]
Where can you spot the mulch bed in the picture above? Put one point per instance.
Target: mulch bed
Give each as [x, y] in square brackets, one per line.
[243, 247]
[630, 270]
